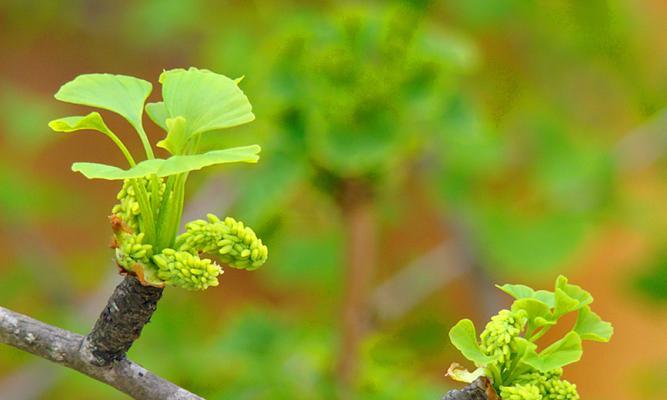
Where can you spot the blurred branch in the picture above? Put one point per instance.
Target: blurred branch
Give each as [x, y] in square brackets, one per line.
[67, 349]
[643, 145]
[361, 247]
[454, 256]
[408, 287]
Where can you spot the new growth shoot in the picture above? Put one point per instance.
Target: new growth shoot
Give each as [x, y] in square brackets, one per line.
[147, 217]
[507, 350]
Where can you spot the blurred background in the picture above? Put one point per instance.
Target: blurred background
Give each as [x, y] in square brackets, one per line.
[414, 154]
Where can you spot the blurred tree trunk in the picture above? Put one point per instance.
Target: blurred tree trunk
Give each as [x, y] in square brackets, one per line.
[355, 202]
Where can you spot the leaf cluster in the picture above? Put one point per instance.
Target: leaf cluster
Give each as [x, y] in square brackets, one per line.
[534, 312]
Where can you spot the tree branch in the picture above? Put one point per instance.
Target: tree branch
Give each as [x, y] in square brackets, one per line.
[129, 308]
[357, 212]
[481, 389]
[78, 352]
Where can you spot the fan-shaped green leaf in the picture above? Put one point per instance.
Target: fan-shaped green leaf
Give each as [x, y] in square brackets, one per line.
[208, 101]
[176, 136]
[561, 353]
[158, 114]
[591, 327]
[524, 292]
[121, 94]
[92, 121]
[464, 337]
[537, 312]
[171, 166]
[575, 292]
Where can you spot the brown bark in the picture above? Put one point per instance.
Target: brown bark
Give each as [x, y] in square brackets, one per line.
[481, 389]
[129, 308]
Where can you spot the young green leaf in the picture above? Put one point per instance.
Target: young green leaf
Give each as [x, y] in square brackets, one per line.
[176, 136]
[158, 114]
[94, 122]
[591, 327]
[208, 101]
[537, 312]
[563, 352]
[171, 166]
[575, 292]
[564, 303]
[124, 95]
[464, 337]
[525, 292]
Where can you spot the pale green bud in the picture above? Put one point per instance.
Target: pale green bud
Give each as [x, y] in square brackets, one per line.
[186, 270]
[132, 250]
[520, 392]
[233, 242]
[497, 337]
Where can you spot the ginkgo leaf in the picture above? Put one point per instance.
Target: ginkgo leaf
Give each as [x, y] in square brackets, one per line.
[591, 327]
[124, 95]
[561, 353]
[176, 136]
[524, 292]
[158, 114]
[171, 166]
[575, 292]
[92, 121]
[208, 101]
[537, 312]
[464, 337]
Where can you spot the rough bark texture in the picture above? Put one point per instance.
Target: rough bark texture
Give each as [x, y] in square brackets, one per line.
[360, 260]
[478, 390]
[66, 348]
[129, 308]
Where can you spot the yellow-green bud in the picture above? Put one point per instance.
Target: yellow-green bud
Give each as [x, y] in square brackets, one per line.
[186, 270]
[128, 207]
[520, 392]
[550, 384]
[132, 250]
[497, 337]
[234, 243]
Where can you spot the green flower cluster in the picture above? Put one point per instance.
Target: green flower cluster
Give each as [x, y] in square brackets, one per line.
[233, 243]
[507, 352]
[550, 385]
[497, 339]
[520, 392]
[132, 250]
[128, 207]
[186, 270]
[181, 266]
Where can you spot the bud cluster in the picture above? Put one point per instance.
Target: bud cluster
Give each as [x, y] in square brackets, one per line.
[229, 240]
[186, 270]
[233, 243]
[551, 386]
[520, 392]
[498, 336]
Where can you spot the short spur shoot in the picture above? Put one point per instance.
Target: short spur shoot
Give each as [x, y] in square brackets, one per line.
[506, 354]
[146, 220]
